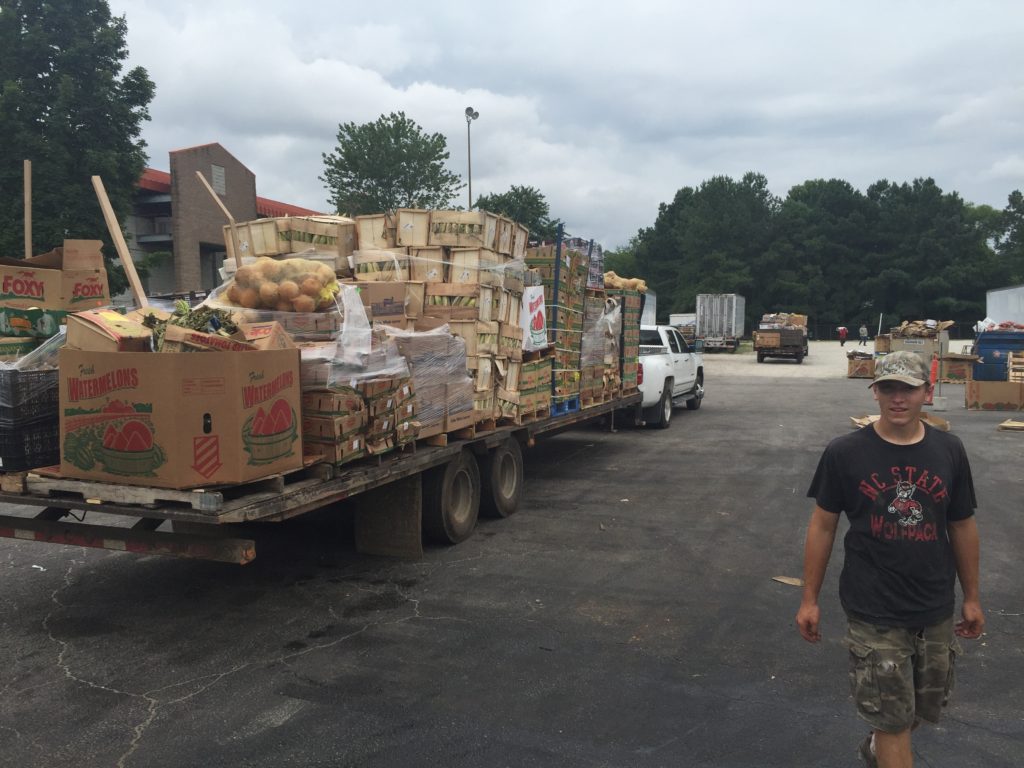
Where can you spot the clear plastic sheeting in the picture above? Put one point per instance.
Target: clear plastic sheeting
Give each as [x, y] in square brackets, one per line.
[363, 352]
[437, 362]
[43, 357]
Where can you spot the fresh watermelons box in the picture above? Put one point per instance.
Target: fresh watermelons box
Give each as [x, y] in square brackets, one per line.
[179, 420]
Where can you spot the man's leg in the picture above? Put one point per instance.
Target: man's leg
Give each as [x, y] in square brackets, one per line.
[893, 749]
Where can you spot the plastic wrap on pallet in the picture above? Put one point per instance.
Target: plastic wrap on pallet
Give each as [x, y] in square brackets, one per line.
[362, 352]
[601, 330]
[433, 362]
[43, 357]
[380, 266]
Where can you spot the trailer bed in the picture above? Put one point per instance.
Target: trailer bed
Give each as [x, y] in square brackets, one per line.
[196, 514]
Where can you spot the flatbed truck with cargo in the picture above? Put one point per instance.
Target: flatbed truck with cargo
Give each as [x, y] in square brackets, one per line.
[434, 490]
[781, 342]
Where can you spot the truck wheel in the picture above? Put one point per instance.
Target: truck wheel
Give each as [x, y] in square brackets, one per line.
[660, 416]
[760, 357]
[698, 394]
[451, 500]
[799, 357]
[501, 480]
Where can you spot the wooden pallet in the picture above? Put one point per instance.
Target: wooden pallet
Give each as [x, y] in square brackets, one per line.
[1016, 367]
[200, 499]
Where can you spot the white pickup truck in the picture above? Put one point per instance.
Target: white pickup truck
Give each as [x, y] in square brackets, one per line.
[671, 373]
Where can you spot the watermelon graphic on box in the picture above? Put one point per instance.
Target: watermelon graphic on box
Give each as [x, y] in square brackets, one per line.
[118, 437]
[269, 435]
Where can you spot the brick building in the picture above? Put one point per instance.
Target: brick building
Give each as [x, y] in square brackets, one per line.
[176, 231]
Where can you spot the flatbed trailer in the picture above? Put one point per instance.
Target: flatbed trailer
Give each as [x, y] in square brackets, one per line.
[433, 489]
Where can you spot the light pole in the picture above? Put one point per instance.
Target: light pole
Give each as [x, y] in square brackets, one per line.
[471, 115]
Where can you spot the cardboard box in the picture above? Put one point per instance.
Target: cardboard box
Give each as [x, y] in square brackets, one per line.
[13, 347]
[178, 339]
[349, 449]
[266, 336]
[860, 368]
[883, 343]
[105, 330]
[925, 347]
[956, 369]
[179, 421]
[332, 403]
[994, 396]
[332, 429]
[67, 279]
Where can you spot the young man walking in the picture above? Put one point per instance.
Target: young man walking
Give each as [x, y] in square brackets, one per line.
[863, 335]
[907, 491]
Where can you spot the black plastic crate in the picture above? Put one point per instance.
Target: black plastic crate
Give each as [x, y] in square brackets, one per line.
[27, 396]
[30, 445]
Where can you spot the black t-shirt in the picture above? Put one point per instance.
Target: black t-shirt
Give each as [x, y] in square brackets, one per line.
[898, 569]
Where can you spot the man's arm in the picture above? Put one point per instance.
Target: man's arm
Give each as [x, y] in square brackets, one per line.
[963, 535]
[821, 534]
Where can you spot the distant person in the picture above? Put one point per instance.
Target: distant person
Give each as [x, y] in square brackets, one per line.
[907, 492]
[863, 335]
[842, 335]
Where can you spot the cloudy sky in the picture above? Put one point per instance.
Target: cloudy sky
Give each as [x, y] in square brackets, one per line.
[607, 108]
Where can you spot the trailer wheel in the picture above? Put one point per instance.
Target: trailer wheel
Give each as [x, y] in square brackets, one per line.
[501, 480]
[451, 500]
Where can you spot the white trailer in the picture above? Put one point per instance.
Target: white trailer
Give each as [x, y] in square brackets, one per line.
[720, 320]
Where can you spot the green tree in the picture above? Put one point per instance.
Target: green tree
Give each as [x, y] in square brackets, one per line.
[66, 106]
[707, 240]
[387, 164]
[525, 205]
[1010, 242]
[622, 261]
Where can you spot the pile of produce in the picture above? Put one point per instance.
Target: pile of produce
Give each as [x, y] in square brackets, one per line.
[204, 319]
[286, 285]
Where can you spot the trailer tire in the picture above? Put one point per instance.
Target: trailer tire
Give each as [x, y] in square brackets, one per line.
[501, 480]
[451, 500]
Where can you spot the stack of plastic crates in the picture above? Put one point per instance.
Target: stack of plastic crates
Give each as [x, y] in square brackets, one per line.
[29, 413]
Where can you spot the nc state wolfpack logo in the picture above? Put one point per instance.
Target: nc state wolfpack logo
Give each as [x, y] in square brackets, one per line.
[904, 507]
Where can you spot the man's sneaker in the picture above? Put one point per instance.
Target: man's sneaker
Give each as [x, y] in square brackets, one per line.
[866, 754]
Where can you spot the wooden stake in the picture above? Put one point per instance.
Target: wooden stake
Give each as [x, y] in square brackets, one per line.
[28, 209]
[114, 227]
[233, 245]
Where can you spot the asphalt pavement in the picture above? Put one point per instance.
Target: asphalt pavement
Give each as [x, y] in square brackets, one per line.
[625, 616]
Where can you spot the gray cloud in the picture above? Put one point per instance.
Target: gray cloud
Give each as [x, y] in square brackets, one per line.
[607, 109]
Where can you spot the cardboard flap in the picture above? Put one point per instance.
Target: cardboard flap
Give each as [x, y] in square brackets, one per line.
[83, 254]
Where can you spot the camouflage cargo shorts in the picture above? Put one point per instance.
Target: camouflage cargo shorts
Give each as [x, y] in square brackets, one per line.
[898, 675]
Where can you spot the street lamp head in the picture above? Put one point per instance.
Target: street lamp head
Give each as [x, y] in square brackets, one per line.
[471, 114]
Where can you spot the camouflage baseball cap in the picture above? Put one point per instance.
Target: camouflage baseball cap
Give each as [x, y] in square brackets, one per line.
[907, 367]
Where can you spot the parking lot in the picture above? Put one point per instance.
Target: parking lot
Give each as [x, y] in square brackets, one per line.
[625, 616]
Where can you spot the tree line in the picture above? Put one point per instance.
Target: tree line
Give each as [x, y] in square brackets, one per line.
[843, 257]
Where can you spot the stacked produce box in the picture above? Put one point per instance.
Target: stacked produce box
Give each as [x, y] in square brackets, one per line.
[469, 272]
[631, 304]
[564, 274]
[38, 294]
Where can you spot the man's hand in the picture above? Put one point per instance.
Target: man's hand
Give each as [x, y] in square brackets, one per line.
[973, 622]
[807, 621]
